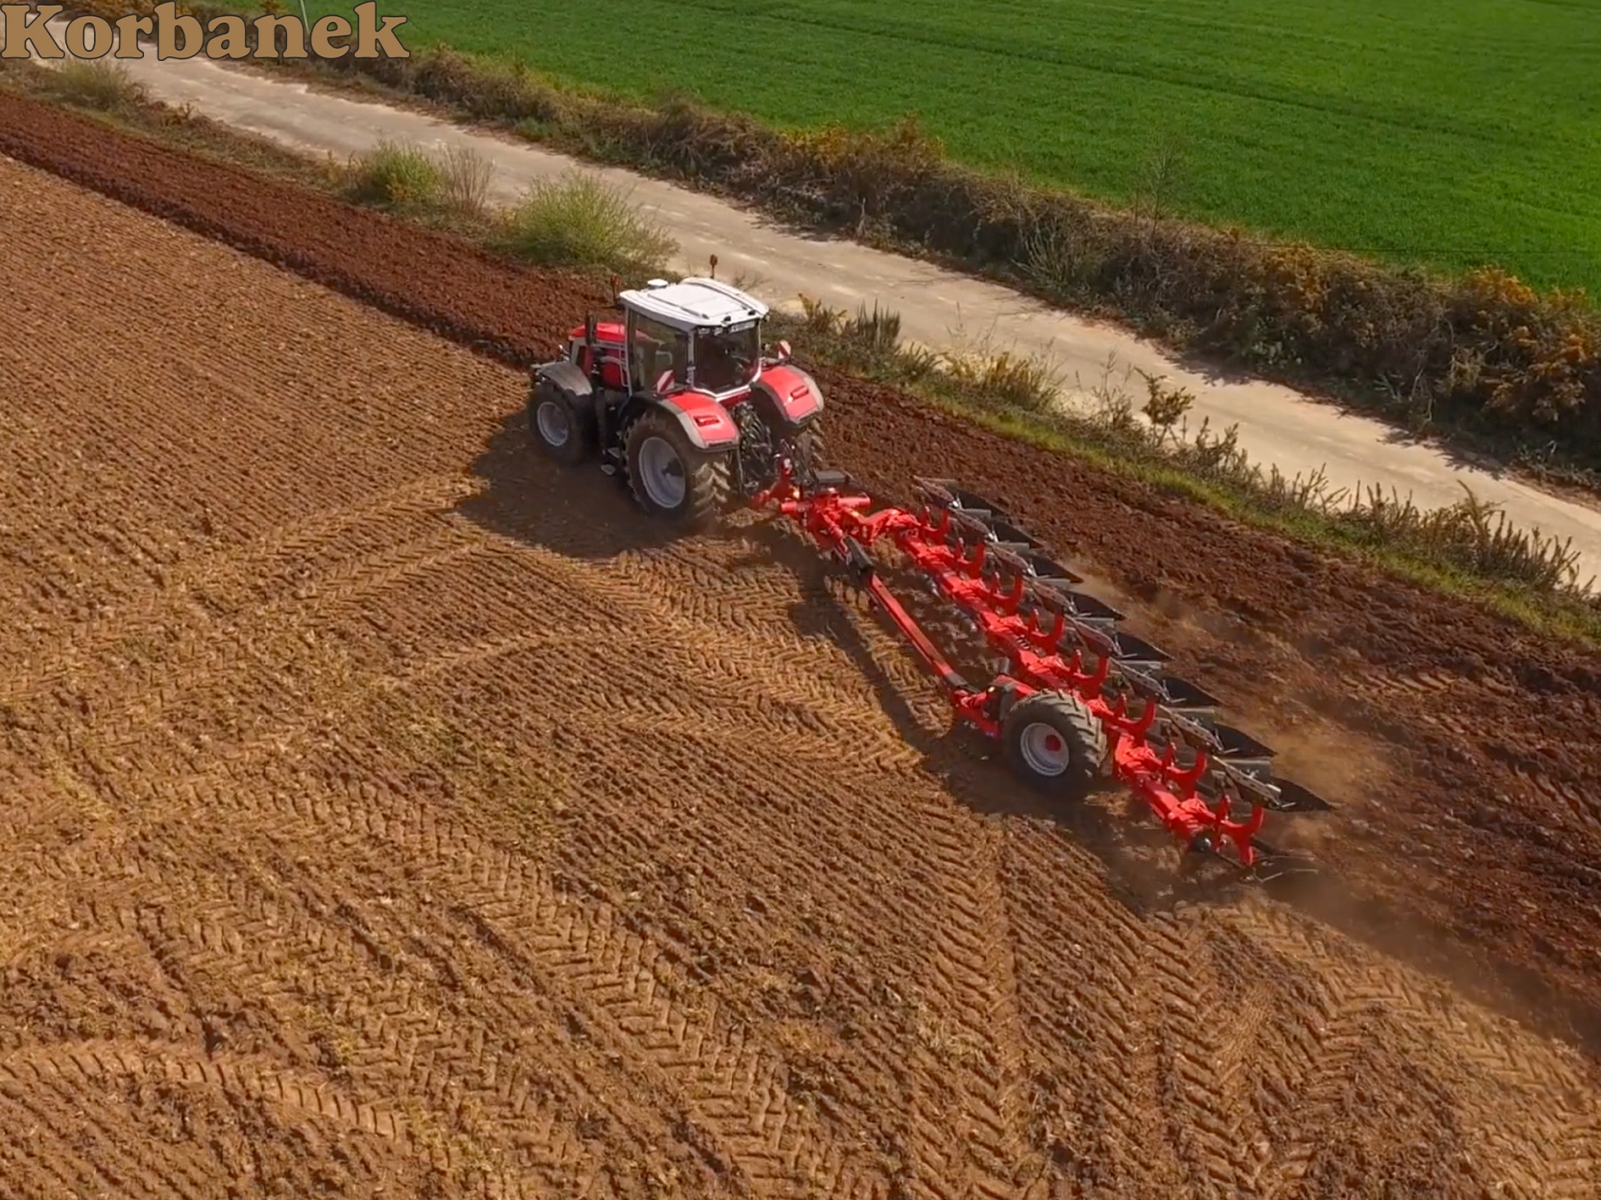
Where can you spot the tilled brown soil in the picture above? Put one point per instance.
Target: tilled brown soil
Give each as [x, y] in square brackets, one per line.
[387, 811]
[1460, 749]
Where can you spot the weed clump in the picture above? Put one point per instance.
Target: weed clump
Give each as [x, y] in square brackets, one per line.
[99, 85]
[581, 222]
[395, 175]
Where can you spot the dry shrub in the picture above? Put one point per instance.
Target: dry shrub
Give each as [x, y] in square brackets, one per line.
[581, 221]
[101, 85]
[1471, 537]
[1006, 380]
[464, 178]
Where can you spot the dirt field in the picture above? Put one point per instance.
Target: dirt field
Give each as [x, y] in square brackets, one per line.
[383, 812]
[1469, 835]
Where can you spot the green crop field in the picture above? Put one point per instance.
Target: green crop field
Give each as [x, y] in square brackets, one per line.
[1453, 134]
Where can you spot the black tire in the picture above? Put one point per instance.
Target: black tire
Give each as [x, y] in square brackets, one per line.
[560, 425]
[762, 432]
[1053, 743]
[809, 449]
[705, 476]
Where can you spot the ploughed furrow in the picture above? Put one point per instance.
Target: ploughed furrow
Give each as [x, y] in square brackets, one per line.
[157, 407]
[220, 584]
[352, 250]
[1325, 633]
[408, 817]
[1279, 1059]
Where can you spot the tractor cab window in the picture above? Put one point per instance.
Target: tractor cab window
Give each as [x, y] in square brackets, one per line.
[654, 348]
[726, 359]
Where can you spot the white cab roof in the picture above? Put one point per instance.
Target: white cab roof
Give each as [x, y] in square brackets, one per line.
[694, 303]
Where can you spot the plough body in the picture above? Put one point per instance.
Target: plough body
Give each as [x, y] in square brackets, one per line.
[1077, 698]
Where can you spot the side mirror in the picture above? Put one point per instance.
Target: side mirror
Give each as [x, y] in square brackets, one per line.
[664, 381]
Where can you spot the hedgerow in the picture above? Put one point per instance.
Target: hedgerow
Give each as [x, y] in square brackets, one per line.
[1483, 353]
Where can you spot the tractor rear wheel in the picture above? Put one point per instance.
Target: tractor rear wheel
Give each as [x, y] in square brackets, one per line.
[1055, 744]
[809, 448]
[672, 478]
[563, 427]
[762, 435]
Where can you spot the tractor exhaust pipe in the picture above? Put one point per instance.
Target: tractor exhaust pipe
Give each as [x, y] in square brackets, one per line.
[589, 346]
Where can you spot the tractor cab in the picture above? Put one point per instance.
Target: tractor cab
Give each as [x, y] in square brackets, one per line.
[697, 334]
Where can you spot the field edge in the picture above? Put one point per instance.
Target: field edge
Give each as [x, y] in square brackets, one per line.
[1240, 493]
[1222, 294]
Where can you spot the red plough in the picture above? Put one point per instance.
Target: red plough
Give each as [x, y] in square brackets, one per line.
[1077, 697]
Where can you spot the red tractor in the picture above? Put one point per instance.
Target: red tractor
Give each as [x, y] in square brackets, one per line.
[680, 398]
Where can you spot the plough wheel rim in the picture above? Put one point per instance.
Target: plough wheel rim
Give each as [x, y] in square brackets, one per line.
[554, 422]
[1043, 749]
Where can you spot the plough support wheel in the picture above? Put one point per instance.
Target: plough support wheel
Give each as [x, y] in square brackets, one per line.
[1055, 743]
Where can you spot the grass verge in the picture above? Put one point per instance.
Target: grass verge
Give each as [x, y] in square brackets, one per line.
[1469, 549]
[1480, 360]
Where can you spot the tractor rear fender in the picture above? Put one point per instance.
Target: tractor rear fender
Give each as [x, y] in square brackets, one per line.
[567, 377]
[706, 423]
[788, 393]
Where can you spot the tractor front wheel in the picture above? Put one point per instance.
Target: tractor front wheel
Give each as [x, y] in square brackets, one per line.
[672, 478]
[1055, 744]
[561, 425]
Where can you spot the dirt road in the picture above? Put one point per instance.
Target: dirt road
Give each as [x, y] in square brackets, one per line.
[939, 307]
[383, 810]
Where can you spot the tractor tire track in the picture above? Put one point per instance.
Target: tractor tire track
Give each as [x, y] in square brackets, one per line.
[709, 754]
[606, 973]
[672, 814]
[413, 1052]
[78, 1065]
[1202, 1048]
